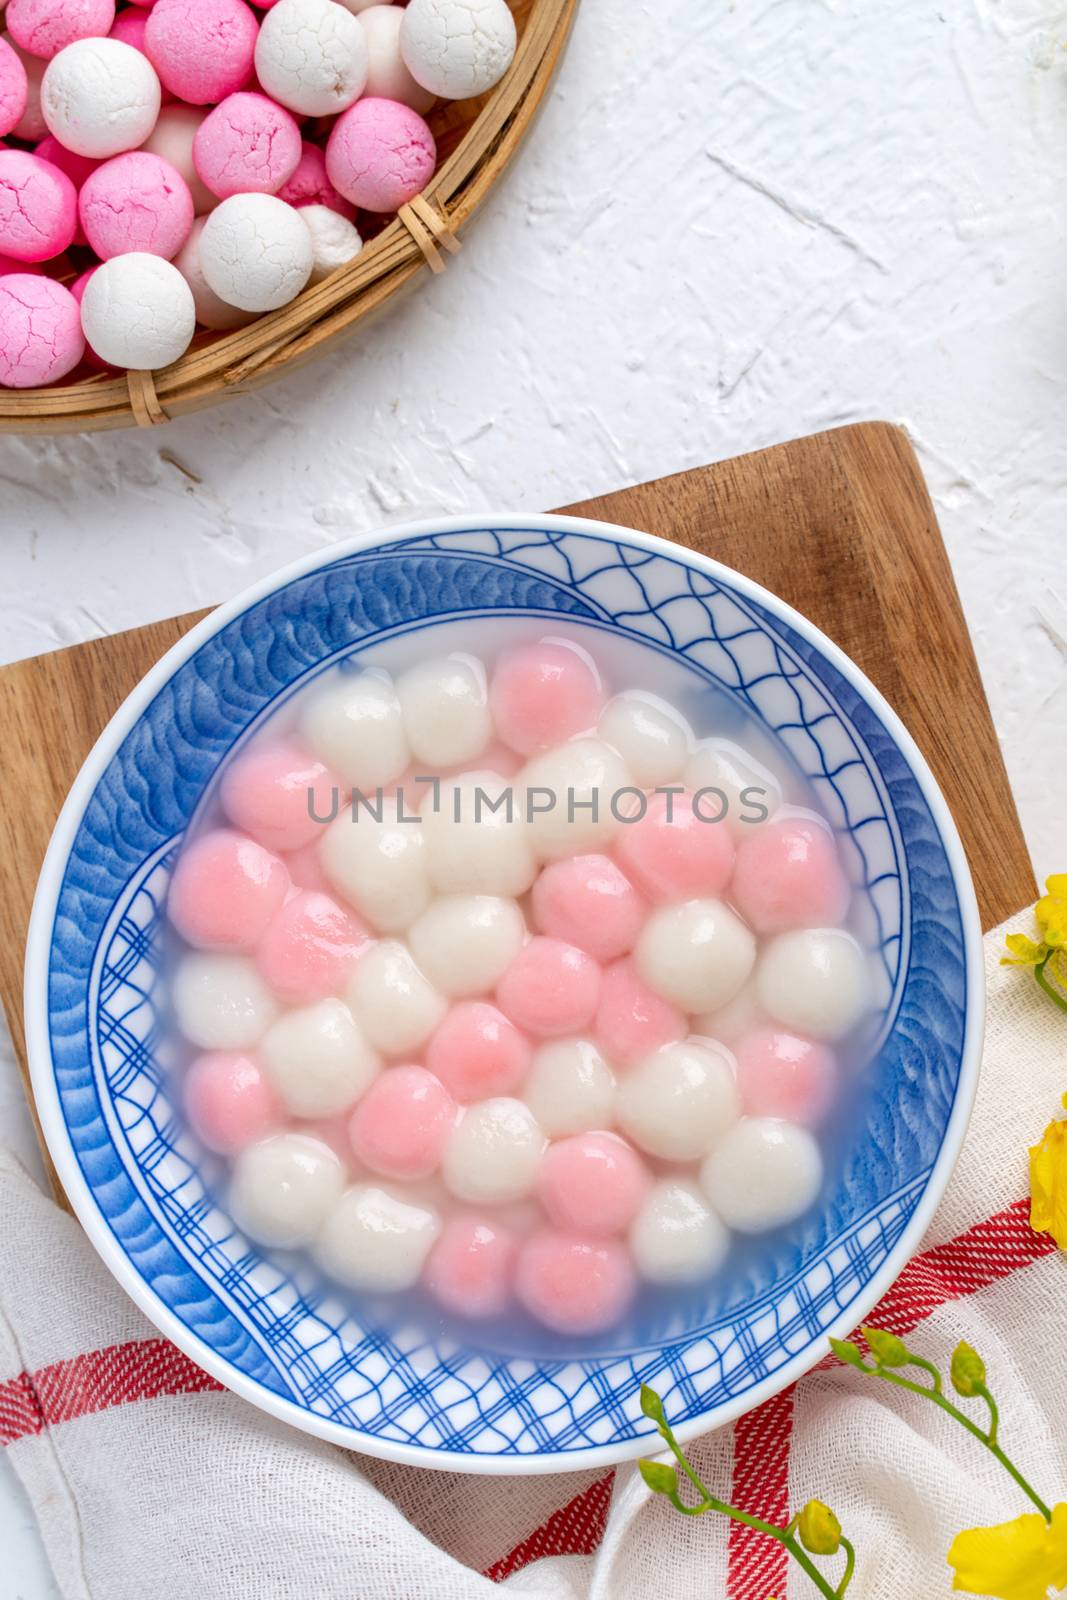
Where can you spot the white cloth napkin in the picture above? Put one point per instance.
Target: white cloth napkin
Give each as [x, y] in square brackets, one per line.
[150, 1483]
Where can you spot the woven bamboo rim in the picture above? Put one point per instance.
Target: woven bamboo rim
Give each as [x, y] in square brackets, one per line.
[425, 234]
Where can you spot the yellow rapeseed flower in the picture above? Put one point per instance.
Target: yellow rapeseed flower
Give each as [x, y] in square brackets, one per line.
[1048, 1182]
[1018, 1560]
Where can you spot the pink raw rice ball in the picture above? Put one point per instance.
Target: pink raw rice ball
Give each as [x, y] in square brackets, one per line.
[588, 901]
[469, 1268]
[225, 890]
[310, 947]
[44, 27]
[572, 1283]
[129, 27]
[592, 1182]
[265, 792]
[77, 168]
[632, 1020]
[229, 1102]
[401, 1125]
[247, 145]
[672, 854]
[40, 331]
[38, 207]
[788, 876]
[309, 185]
[477, 1053]
[77, 289]
[544, 694]
[783, 1074]
[9, 264]
[202, 49]
[12, 88]
[550, 988]
[31, 125]
[136, 201]
[380, 154]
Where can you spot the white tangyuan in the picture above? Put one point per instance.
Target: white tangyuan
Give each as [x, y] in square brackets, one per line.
[355, 725]
[676, 1237]
[334, 240]
[446, 710]
[100, 97]
[458, 48]
[697, 954]
[255, 252]
[676, 1102]
[395, 1004]
[284, 1188]
[762, 1174]
[573, 797]
[650, 736]
[476, 839]
[221, 1002]
[376, 1240]
[815, 979]
[317, 1059]
[138, 311]
[378, 863]
[465, 942]
[311, 56]
[729, 1023]
[570, 1088]
[493, 1155]
[752, 793]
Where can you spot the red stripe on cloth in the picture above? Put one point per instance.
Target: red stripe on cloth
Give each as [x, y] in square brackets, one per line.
[143, 1369]
[576, 1530]
[756, 1564]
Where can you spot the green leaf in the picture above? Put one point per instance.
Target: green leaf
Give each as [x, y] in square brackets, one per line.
[886, 1348]
[849, 1353]
[819, 1529]
[652, 1405]
[967, 1370]
[659, 1477]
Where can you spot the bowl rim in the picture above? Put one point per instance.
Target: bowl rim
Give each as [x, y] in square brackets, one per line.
[53, 1124]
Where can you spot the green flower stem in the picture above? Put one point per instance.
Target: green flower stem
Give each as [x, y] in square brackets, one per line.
[1050, 989]
[994, 1414]
[850, 1566]
[988, 1439]
[783, 1536]
[928, 1366]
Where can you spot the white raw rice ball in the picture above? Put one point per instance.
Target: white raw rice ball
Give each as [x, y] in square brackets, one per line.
[697, 954]
[494, 1153]
[458, 48]
[676, 1236]
[255, 250]
[284, 1188]
[445, 702]
[211, 312]
[172, 138]
[377, 1240]
[465, 943]
[650, 736]
[388, 77]
[763, 1173]
[334, 240]
[568, 793]
[752, 792]
[317, 1060]
[485, 851]
[378, 866]
[311, 55]
[394, 1002]
[356, 726]
[570, 1088]
[815, 980]
[676, 1102]
[100, 97]
[221, 1002]
[137, 310]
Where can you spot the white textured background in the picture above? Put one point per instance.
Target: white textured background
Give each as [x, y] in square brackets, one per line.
[733, 224]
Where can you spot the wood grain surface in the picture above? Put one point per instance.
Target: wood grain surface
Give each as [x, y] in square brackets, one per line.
[839, 525]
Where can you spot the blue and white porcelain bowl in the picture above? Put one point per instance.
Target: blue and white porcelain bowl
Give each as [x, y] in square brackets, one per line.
[131, 1170]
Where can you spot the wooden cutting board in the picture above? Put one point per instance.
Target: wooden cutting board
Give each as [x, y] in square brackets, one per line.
[840, 525]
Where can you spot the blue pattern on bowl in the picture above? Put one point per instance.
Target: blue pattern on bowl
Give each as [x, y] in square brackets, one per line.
[282, 1330]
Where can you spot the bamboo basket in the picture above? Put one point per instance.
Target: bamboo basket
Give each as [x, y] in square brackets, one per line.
[476, 141]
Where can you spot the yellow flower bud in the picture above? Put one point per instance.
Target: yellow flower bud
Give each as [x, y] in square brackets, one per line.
[819, 1529]
[968, 1370]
